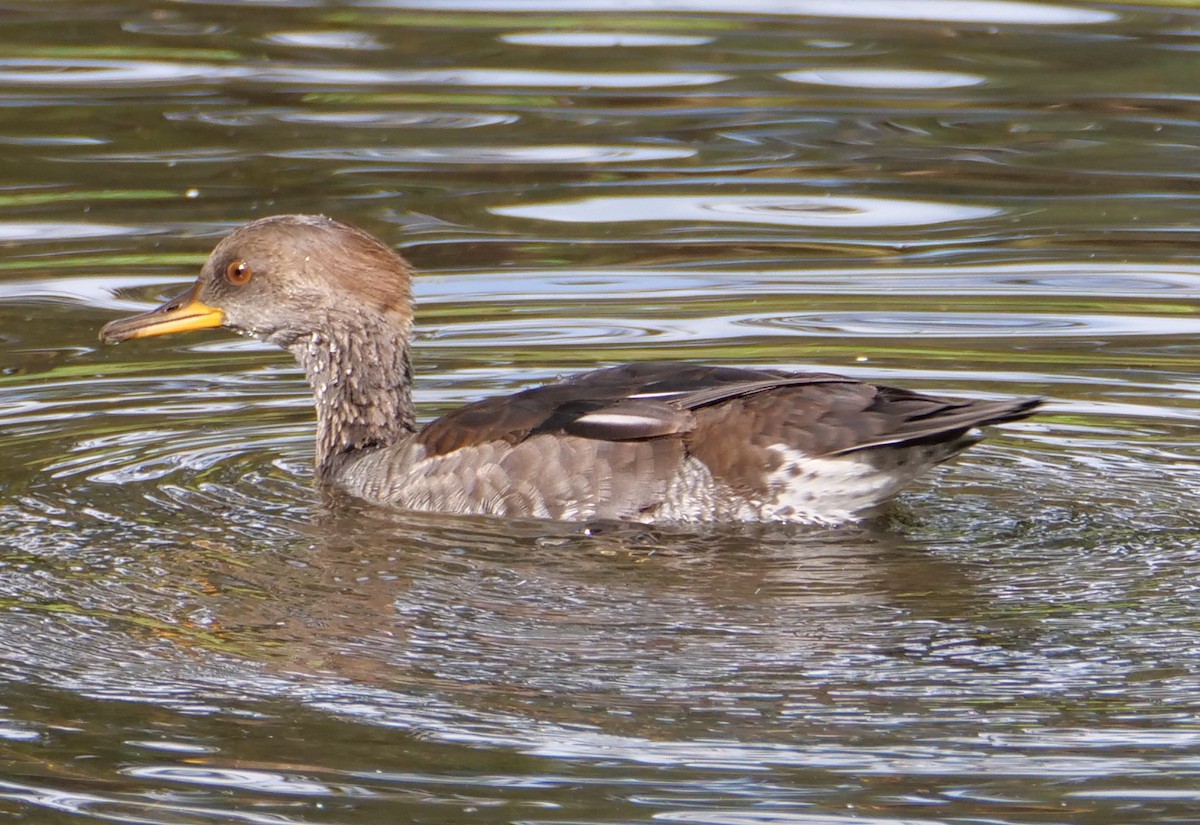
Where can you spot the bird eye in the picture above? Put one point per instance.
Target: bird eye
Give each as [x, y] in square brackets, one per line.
[238, 273]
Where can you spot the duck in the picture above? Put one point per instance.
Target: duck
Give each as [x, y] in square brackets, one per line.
[653, 442]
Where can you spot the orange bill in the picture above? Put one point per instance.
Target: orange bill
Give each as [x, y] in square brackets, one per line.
[182, 314]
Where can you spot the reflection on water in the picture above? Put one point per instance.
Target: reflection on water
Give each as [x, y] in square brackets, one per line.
[573, 39]
[787, 210]
[946, 11]
[884, 78]
[501, 154]
[985, 198]
[31, 231]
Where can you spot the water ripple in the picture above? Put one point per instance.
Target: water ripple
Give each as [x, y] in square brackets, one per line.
[594, 40]
[46, 231]
[884, 78]
[961, 324]
[947, 11]
[782, 210]
[324, 40]
[264, 781]
[109, 73]
[496, 154]
[246, 116]
[529, 78]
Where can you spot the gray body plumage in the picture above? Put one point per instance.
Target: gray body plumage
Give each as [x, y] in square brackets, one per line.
[672, 442]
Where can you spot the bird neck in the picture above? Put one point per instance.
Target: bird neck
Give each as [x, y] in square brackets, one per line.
[361, 378]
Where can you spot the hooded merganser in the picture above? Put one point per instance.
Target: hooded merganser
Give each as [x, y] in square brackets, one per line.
[653, 441]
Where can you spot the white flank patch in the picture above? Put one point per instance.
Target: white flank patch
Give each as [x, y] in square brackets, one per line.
[802, 490]
[838, 488]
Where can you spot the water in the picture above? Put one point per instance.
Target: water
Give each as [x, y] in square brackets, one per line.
[985, 198]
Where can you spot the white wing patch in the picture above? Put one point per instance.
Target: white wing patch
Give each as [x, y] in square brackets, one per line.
[667, 394]
[619, 420]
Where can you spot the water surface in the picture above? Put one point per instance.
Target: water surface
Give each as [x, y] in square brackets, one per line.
[980, 198]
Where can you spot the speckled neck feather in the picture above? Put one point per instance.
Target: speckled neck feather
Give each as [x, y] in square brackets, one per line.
[360, 373]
